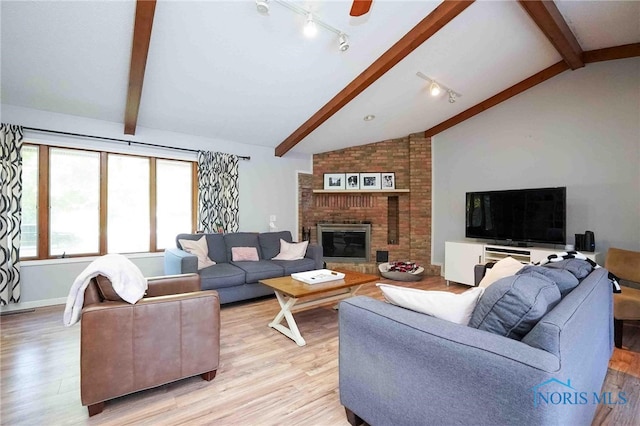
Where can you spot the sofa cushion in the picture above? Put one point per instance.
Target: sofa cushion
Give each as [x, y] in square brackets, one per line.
[291, 251]
[270, 242]
[200, 249]
[513, 305]
[221, 275]
[502, 268]
[260, 270]
[293, 266]
[242, 239]
[217, 248]
[440, 304]
[564, 279]
[578, 267]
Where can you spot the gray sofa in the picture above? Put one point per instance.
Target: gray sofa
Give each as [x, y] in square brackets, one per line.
[399, 367]
[236, 281]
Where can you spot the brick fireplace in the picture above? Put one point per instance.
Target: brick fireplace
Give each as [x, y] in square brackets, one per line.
[400, 221]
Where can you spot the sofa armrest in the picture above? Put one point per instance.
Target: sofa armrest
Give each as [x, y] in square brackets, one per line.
[125, 348]
[172, 284]
[399, 366]
[314, 251]
[178, 262]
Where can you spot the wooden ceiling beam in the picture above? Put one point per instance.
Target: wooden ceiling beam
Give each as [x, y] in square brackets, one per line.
[518, 88]
[431, 24]
[550, 21]
[606, 54]
[611, 53]
[145, 9]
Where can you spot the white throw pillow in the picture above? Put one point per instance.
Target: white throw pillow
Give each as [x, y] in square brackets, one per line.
[291, 251]
[440, 304]
[200, 249]
[503, 268]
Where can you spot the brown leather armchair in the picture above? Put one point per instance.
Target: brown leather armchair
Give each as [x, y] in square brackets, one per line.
[170, 334]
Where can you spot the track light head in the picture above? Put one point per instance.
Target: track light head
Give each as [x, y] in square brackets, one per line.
[434, 89]
[262, 6]
[310, 28]
[343, 43]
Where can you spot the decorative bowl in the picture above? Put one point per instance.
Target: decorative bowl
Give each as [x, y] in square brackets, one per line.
[400, 276]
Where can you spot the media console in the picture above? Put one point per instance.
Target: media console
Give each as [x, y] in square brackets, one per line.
[460, 257]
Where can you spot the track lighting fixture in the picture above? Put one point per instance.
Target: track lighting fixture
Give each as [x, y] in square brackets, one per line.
[311, 23]
[262, 6]
[310, 29]
[343, 42]
[435, 88]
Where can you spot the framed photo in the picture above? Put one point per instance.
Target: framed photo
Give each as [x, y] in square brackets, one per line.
[334, 181]
[370, 181]
[388, 181]
[353, 180]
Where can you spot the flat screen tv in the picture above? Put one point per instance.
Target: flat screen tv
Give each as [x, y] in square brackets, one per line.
[520, 216]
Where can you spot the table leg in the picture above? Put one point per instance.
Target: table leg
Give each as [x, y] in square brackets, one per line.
[292, 332]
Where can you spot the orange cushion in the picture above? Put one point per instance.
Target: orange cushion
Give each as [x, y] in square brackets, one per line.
[626, 305]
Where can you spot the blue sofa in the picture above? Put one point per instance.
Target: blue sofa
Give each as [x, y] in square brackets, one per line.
[400, 367]
[236, 281]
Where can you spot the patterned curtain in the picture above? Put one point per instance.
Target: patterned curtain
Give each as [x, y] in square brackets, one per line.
[10, 212]
[218, 192]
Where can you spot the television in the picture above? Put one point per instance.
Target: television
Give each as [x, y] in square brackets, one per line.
[518, 216]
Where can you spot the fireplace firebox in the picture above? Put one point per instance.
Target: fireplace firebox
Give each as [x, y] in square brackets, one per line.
[345, 242]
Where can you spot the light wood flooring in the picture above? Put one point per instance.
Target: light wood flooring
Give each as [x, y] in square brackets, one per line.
[264, 378]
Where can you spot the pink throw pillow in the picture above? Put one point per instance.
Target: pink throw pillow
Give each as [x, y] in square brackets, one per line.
[239, 254]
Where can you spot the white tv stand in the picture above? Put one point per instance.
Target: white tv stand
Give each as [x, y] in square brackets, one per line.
[460, 257]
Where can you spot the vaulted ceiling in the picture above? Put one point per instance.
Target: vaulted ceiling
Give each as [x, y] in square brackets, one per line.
[221, 70]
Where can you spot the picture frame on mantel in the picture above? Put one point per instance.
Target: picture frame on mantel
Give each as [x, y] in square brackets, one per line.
[370, 181]
[352, 181]
[388, 181]
[334, 181]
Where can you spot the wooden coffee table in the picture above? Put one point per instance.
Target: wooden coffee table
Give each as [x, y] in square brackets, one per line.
[289, 292]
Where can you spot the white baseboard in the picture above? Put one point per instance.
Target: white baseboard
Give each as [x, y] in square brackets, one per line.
[32, 305]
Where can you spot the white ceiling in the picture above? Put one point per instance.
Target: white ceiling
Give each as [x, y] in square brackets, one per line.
[219, 69]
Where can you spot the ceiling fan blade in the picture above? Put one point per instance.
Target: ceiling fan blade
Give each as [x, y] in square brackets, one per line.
[360, 7]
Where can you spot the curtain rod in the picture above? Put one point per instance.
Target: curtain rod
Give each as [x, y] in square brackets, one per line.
[120, 140]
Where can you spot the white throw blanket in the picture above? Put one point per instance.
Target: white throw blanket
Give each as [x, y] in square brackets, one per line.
[126, 278]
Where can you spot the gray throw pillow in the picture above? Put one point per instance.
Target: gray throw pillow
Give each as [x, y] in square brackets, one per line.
[564, 279]
[513, 305]
[578, 267]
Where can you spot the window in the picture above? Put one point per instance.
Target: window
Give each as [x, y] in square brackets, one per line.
[128, 204]
[174, 205]
[29, 224]
[74, 202]
[79, 202]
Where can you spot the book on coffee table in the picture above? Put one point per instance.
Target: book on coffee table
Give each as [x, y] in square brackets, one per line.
[318, 276]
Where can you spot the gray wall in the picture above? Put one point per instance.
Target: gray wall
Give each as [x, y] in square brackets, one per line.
[268, 186]
[580, 129]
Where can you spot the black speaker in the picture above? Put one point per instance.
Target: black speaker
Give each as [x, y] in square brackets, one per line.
[382, 256]
[589, 241]
[579, 246]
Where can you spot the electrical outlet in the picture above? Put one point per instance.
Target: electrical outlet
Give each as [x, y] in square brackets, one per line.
[272, 218]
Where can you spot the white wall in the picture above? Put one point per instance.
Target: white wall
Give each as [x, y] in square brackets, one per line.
[580, 129]
[268, 185]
